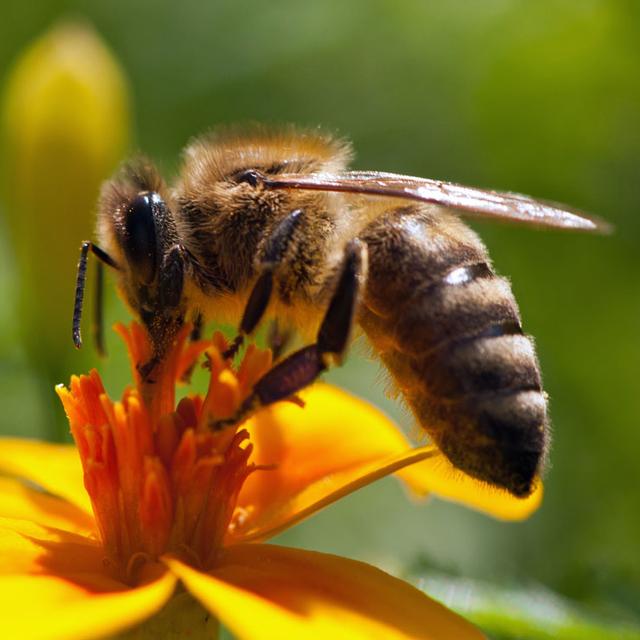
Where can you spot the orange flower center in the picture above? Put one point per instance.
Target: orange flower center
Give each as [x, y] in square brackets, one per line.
[159, 478]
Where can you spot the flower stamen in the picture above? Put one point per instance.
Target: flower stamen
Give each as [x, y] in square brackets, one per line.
[159, 478]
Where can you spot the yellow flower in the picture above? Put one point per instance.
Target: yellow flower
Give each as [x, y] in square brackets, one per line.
[173, 508]
[64, 120]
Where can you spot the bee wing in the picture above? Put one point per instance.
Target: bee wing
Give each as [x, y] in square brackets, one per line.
[467, 201]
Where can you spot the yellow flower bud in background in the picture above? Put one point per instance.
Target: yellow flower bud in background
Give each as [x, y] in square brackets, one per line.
[65, 124]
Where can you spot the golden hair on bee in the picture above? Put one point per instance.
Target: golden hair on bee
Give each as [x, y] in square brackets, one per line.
[225, 151]
[270, 224]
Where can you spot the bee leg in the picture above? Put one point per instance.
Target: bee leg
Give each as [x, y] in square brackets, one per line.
[303, 367]
[198, 324]
[275, 250]
[278, 339]
[98, 312]
[194, 336]
[335, 329]
[145, 369]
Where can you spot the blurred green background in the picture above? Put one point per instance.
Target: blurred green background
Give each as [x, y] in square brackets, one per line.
[540, 97]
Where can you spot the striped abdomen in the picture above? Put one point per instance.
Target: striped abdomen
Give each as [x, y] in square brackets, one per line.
[448, 329]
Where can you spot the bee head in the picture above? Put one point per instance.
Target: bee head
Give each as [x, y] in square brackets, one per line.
[137, 227]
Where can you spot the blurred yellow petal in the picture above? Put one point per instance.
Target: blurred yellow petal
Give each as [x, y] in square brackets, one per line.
[266, 591]
[334, 432]
[55, 467]
[438, 476]
[263, 523]
[18, 500]
[65, 125]
[335, 435]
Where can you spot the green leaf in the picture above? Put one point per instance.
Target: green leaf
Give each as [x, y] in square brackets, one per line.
[531, 613]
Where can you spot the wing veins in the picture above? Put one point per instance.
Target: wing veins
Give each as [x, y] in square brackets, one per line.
[504, 205]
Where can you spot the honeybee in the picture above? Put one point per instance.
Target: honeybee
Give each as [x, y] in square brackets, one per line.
[271, 223]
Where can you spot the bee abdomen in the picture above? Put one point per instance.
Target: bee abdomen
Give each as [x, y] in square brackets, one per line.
[455, 348]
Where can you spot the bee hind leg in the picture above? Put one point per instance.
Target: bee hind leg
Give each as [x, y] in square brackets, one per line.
[304, 366]
[275, 250]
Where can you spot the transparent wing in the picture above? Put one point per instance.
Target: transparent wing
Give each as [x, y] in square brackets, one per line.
[467, 201]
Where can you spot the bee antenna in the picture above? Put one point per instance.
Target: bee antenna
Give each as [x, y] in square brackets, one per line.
[81, 278]
[80, 283]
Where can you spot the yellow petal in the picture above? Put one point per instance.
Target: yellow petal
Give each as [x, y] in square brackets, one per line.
[281, 515]
[30, 548]
[333, 433]
[266, 591]
[336, 433]
[49, 607]
[18, 500]
[55, 467]
[438, 476]
[54, 584]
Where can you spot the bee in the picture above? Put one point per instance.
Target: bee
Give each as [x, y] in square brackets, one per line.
[272, 224]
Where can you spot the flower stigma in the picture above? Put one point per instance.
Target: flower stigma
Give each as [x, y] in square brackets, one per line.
[160, 479]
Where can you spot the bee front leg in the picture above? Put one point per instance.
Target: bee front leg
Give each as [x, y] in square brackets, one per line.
[198, 324]
[303, 367]
[275, 250]
[195, 335]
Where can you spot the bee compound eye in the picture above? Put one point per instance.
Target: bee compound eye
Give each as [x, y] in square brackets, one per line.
[249, 176]
[140, 242]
